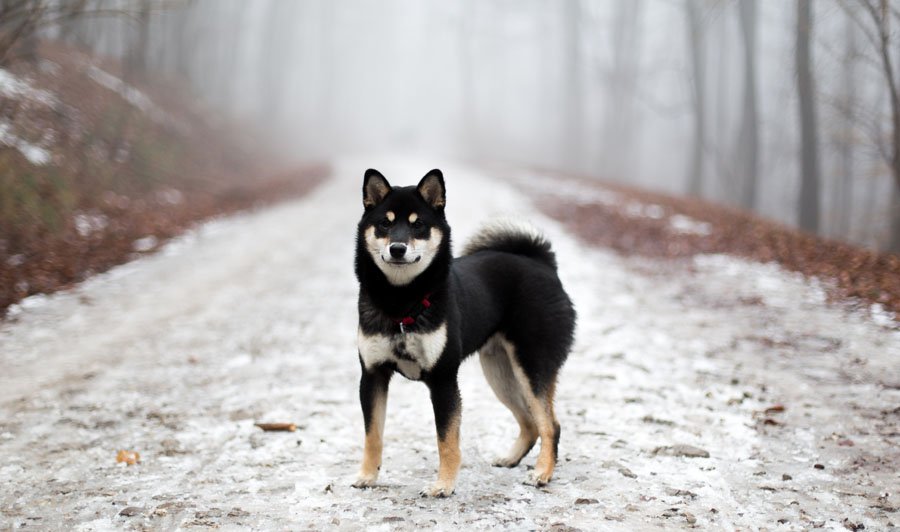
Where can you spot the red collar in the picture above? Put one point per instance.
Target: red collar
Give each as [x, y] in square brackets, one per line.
[415, 313]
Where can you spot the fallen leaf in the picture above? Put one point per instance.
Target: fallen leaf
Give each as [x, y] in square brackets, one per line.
[285, 427]
[129, 457]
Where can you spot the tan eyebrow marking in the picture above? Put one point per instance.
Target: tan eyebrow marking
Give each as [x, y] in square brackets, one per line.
[413, 217]
[391, 216]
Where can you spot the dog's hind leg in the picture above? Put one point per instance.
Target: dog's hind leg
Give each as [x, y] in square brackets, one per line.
[497, 366]
[549, 430]
[373, 388]
[531, 404]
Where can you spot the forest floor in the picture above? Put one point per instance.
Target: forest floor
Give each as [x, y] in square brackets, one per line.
[704, 391]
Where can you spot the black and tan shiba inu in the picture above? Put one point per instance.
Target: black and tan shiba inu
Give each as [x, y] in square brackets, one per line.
[421, 312]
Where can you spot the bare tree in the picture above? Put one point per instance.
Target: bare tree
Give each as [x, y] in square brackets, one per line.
[136, 59]
[22, 20]
[809, 141]
[697, 49]
[748, 138]
[573, 109]
[620, 124]
[19, 21]
[843, 190]
[873, 18]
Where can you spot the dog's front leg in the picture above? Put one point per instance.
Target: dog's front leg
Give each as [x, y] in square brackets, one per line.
[445, 400]
[373, 388]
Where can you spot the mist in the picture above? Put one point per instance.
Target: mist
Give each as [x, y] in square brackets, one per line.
[689, 97]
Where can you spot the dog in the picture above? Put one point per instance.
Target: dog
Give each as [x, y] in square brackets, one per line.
[422, 312]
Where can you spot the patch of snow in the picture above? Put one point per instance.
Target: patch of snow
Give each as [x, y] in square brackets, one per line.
[144, 244]
[35, 154]
[14, 87]
[569, 190]
[594, 194]
[636, 209]
[34, 301]
[87, 224]
[16, 260]
[126, 91]
[688, 226]
[882, 316]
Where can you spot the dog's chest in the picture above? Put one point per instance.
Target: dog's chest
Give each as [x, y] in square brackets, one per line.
[411, 352]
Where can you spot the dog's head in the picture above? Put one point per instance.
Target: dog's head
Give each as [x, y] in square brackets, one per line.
[403, 229]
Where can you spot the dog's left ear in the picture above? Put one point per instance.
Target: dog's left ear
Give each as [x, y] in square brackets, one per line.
[431, 188]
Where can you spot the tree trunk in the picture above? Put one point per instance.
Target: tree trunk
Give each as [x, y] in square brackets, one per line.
[617, 152]
[469, 130]
[748, 139]
[696, 44]
[136, 60]
[894, 242]
[271, 76]
[842, 198]
[894, 88]
[809, 143]
[572, 133]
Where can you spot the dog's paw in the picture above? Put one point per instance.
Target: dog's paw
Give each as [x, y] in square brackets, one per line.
[438, 489]
[506, 462]
[537, 479]
[365, 481]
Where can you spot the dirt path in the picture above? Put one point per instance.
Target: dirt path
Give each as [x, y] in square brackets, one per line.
[250, 319]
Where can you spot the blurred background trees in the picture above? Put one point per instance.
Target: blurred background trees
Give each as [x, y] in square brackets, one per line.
[789, 108]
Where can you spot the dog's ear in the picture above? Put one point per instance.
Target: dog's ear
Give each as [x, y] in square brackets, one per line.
[431, 188]
[375, 188]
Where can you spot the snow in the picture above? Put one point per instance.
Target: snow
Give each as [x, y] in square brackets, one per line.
[87, 224]
[144, 244]
[35, 154]
[687, 225]
[12, 86]
[584, 194]
[252, 318]
[130, 94]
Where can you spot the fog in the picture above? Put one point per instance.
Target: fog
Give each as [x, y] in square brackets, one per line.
[684, 96]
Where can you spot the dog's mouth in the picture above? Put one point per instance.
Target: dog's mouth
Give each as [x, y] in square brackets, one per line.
[401, 261]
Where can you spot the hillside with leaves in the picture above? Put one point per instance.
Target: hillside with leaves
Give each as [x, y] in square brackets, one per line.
[96, 168]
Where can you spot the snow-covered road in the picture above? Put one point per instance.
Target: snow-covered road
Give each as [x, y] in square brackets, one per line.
[793, 405]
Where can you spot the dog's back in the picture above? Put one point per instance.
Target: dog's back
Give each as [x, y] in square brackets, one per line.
[506, 283]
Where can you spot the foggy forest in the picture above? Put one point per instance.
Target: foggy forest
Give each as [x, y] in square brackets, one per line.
[675, 254]
[789, 109]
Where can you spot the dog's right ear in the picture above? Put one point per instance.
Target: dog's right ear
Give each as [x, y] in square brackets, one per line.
[375, 188]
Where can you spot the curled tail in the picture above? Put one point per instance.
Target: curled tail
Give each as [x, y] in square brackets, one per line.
[512, 236]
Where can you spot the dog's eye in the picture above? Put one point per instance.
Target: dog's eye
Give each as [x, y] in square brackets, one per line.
[417, 224]
[384, 223]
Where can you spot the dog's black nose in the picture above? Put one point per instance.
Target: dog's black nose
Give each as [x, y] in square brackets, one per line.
[398, 250]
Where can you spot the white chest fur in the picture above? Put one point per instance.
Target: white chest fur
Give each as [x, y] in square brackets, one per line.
[411, 352]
